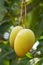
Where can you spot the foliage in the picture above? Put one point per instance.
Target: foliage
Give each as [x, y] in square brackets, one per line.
[9, 14]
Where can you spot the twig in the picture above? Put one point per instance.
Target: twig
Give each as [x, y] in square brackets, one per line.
[30, 7]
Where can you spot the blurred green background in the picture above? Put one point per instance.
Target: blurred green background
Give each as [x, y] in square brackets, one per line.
[10, 13]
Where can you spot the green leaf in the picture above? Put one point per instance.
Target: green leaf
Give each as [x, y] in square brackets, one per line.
[6, 62]
[4, 27]
[40, 62]
[7, 52]
[22, 61]
[37, 21]
[2, 9]
[2, 62]
[40, 46]
[29, 55]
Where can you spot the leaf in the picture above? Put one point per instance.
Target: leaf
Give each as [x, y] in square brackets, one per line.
[6, 53]
[23, 61]
[40, 46]
[40, 62]
[2, 9]
[4, 27]
[32, 61]
[37, 21]
[2, 62]
[29, 55]
[6, 62]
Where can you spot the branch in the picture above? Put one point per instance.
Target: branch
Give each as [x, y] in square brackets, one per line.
[30, 7]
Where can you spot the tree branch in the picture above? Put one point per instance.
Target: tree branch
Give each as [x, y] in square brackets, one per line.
[30, 7]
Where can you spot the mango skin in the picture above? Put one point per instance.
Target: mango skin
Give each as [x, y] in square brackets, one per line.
[24, 42]
[13, 35]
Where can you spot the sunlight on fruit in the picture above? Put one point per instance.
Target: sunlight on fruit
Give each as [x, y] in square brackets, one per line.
[13, 35]
[24, 42]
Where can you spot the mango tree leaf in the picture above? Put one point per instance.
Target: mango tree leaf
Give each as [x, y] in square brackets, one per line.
[40, 46]
[6, 62]
[4, 27]
[2, 9]
[40, 62]
[6, 53]
[2, 62]
[22, 61]
[37, 21]
[29, 55]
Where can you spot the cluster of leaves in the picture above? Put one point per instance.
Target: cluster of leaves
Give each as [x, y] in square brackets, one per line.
[9, 13]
